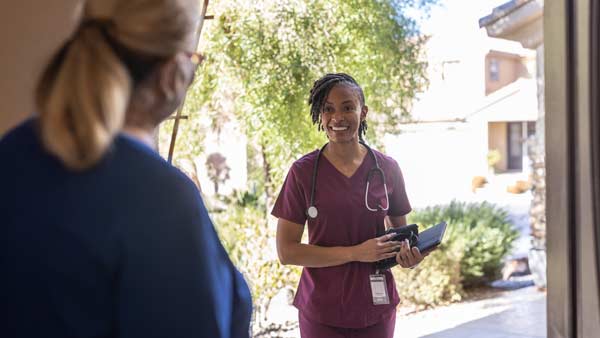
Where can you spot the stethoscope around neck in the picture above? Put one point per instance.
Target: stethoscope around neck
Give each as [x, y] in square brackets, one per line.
[312, 211]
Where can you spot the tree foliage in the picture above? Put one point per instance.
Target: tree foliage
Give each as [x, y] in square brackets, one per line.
[262, 58]
[250, 243]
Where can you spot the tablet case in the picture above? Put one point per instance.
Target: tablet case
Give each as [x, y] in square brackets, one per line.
[431, 237]
[425, 241]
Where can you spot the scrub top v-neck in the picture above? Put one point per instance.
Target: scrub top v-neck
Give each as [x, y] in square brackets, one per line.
[341, 295]
[325, 160]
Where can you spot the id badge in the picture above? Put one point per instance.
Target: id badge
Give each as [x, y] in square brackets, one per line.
[379, 289]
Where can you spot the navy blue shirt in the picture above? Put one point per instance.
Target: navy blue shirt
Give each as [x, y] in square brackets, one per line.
[125, 249]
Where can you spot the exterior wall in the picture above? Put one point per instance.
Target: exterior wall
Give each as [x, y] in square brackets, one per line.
[497, 140]
[539, 133]
[510, 68]
[30, 31]
[537, 154]
[439, 160]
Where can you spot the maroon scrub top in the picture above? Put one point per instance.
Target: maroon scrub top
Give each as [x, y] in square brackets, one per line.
[341, 295]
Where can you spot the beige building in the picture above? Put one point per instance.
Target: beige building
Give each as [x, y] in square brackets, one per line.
[510, 113]
[481, 99]
[502, 68]
[522, 21]
[510, 107]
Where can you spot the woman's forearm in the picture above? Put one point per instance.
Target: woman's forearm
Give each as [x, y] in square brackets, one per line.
[314, 256]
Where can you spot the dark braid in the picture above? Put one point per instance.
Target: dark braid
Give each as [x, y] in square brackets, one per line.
[320, 90]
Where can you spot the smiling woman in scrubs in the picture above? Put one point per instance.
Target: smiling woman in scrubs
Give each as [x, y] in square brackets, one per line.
[340, 292]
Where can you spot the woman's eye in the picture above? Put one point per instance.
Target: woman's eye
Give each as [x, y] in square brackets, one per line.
[328, 109]
[348, 108]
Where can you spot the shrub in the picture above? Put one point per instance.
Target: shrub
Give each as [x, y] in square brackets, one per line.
[481, 231]
[478, 236]
[436, 281]
[494, 157]
[250, 242]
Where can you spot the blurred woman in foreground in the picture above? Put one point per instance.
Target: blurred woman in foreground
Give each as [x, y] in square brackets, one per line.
[100, 236]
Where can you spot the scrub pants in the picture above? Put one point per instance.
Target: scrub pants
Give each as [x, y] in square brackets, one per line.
[312, 329]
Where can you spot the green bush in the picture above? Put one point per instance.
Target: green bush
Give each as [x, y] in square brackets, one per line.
[250, 242]
[494, 157]
[478, 236]
[481, 231]
[436, 281]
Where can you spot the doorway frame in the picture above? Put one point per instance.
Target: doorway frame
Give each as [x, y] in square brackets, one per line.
[573, 307]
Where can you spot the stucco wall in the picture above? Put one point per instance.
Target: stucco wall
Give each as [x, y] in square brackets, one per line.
[439, 160]
[30, 32]
[511, 67]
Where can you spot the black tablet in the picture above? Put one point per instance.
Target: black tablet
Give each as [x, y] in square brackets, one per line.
[431, 237]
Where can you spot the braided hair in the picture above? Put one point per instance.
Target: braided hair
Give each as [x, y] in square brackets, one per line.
[320, 91]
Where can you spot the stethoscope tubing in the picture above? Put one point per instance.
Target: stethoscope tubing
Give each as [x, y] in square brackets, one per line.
[312, 211]
[377, 169]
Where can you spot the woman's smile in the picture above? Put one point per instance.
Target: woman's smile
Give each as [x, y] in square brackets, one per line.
[338, 128]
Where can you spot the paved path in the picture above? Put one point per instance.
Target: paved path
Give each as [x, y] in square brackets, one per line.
[512, 314]
[515, 314]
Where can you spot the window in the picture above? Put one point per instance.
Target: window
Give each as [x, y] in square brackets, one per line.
[530, 128]
[515, 145]
[494, 70]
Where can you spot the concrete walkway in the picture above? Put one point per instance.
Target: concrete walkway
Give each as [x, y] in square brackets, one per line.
[514, 314]
[518, 313]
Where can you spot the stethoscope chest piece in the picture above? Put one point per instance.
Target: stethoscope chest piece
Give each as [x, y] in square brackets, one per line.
[312, 212]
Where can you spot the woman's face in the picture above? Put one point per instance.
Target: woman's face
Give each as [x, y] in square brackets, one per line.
[342, 114]
[175, 76]
[161, 93]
